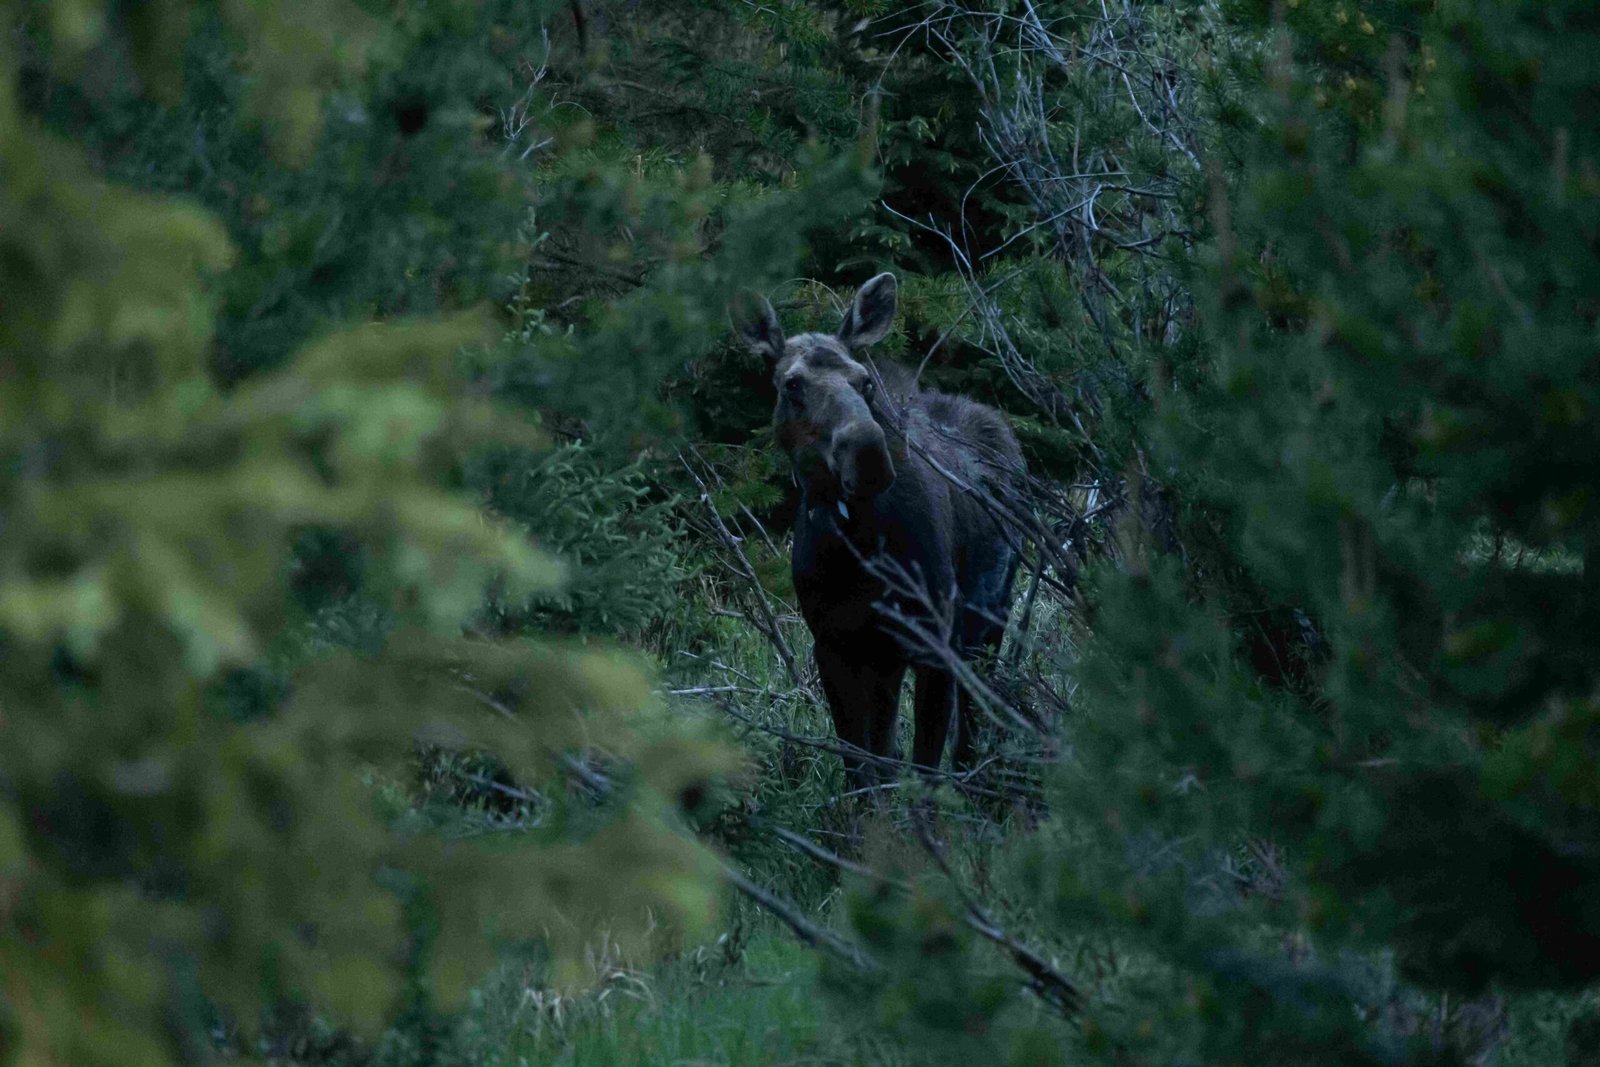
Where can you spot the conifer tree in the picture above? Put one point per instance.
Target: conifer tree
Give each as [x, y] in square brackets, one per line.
[1393, 445]
[188, 394]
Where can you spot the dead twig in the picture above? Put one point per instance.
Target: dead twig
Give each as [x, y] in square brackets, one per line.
[766, 618]
[1044, 978]
[807, 931]
[1047, 982]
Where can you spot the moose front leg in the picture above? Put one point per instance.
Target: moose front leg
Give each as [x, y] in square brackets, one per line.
[851, 694]
[885, 713]
[936, 696]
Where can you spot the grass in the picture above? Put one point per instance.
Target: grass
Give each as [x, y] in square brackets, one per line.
[763, 1007]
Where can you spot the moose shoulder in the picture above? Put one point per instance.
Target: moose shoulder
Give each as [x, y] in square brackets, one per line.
[902, 558]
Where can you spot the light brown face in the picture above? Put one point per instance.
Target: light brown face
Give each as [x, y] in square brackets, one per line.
[824, 417]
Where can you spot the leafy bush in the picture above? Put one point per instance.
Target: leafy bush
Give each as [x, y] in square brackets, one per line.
[622, 540]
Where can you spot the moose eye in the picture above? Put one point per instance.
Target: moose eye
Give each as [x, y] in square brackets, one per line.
[794, 389]
[868, 388]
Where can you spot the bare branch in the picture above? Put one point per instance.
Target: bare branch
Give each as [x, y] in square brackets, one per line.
[808, 932]
[1049, 983]
[766, 619]
[1044, 979]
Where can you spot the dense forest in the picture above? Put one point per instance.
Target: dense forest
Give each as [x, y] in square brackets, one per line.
[400, 657]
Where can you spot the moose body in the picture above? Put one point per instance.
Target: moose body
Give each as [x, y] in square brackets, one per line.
[902, 559]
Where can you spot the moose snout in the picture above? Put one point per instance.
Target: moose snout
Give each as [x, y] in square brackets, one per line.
[861, 460]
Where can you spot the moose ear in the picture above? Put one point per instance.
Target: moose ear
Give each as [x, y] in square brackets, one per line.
[871, 312]
[757, 324]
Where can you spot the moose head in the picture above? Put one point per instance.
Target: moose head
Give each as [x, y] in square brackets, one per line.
[825, 417]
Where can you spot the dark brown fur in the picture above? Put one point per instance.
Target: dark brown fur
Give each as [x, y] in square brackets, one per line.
[893, 479]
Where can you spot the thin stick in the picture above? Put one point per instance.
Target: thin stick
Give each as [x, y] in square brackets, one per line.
[808, 932]
[768, 622]
[1045, 980]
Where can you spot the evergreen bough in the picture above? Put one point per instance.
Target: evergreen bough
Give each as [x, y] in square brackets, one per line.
[190, 424]
[1393, 448]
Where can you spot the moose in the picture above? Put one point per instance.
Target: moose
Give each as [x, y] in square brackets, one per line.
[901, 531]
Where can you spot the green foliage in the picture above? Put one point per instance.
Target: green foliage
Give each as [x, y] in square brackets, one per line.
[624, 345]
[1398, 402]
[184, 818]
[396, 204]
[623, 542]
[1320, 273]
[151, 851]
[936, 992]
